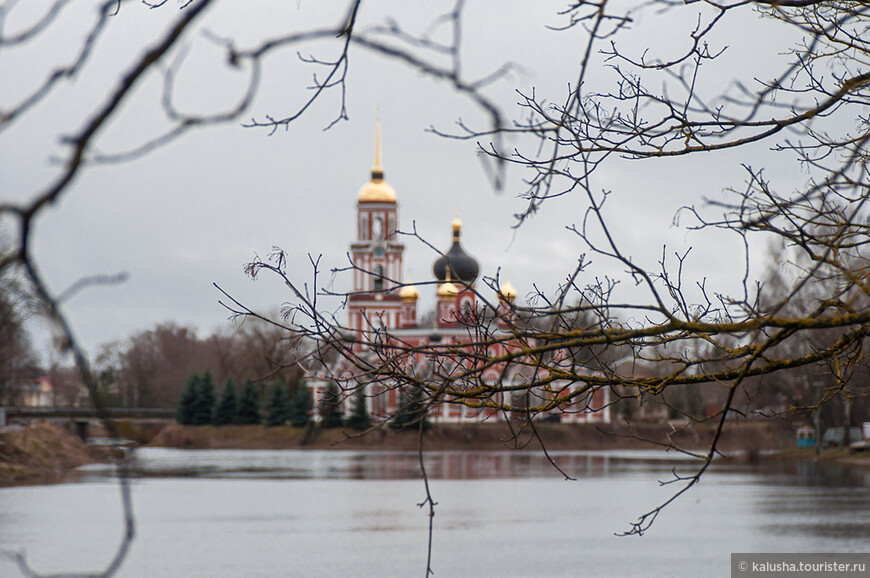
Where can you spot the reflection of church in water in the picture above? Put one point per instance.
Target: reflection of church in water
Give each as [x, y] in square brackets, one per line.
[382, 304]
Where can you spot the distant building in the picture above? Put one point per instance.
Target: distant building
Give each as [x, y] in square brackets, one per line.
[382, 306]
[38, 393]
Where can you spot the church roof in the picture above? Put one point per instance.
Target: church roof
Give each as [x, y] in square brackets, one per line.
[409, 293]
[447, 290]
[507, 292]
[377, 190]
[456, 264]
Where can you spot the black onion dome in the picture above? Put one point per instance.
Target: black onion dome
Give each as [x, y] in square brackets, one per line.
[460, 266]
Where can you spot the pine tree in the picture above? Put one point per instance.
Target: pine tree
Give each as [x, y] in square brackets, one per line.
[359, 419]
[249, 405]
[187, 401]
[301, 405]
[278, 406]
[225, 411]
[330, 407]
[412, 410]
[402, 417]
[204, 403]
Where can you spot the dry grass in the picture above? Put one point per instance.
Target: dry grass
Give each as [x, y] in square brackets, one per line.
[42, 453]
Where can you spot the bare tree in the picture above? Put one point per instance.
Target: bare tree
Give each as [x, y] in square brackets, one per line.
[18, 363]
[627, 101]
[260, 351]
[150, 368]
[155, 364]
[653, 104]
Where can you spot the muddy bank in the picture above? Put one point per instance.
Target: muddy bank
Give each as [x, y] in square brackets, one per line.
[746, 436]
[44, 453]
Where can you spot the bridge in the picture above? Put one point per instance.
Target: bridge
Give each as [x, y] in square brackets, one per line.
[81, 417]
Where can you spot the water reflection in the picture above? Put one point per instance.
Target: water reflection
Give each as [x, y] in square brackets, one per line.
[222, 513]
[362, 465]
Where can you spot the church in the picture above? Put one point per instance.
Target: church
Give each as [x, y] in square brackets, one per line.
[381, 308]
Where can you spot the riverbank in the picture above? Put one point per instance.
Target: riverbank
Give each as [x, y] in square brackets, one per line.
[45, 453]
[41, 454]
[748, 437]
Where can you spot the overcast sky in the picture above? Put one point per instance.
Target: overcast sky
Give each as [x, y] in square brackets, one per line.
[194, 212]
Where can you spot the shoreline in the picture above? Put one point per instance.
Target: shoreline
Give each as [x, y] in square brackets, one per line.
[41, 453]
[46, 454]
[746, 437]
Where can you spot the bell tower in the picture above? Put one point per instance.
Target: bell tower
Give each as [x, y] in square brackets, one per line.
[377, 254]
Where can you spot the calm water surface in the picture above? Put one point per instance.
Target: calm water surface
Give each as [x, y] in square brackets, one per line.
[314, 513]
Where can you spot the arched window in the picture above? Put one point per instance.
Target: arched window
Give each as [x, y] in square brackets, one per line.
[379, 278]
[378, 229]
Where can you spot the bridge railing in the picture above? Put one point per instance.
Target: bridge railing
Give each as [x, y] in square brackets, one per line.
[115, 413]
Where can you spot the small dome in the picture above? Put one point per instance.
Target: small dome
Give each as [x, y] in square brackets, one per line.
[456, 264]
[507, 292]
[447, 290]
[409, 293]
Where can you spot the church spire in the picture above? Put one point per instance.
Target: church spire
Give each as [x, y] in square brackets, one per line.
[456, 225]
[378, 169]
[377, 190]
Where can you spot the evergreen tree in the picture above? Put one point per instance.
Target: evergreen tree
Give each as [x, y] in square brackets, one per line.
[184, 412]
[278, 406]
[301, 405]
[330, 407]
[227, 407]
[204, 403]
[249, 405]
[359, 419]
[402, 417]
[412, 410]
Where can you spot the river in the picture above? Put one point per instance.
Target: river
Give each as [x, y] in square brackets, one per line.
[341, 513]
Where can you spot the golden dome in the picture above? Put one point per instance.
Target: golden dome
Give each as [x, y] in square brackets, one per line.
[507, 291]
[409, 293]
[447, 289]
[377, 190]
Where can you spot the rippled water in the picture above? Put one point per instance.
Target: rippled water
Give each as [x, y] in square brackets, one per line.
[301, 513]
